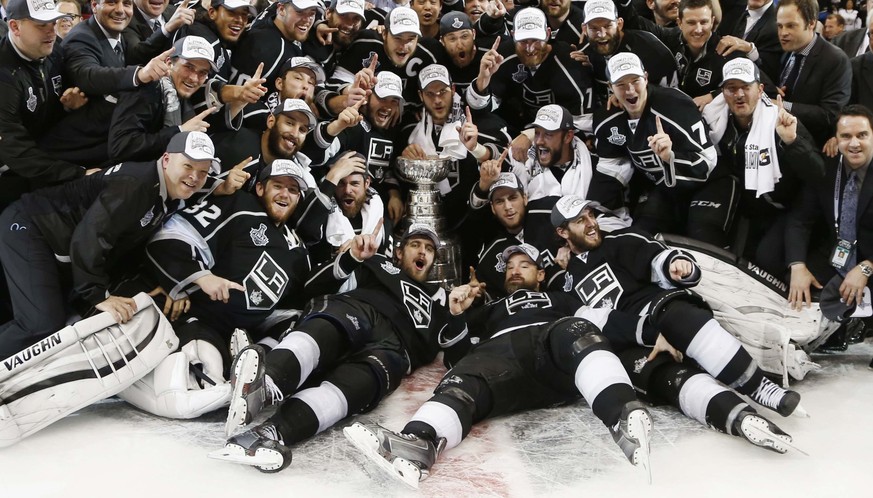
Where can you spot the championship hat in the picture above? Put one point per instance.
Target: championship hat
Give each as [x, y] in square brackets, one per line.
[600, 9]
[288, 106]
[454, 21]
[834, 308]
[423, 230]
[305, 62]
[740, 69]
[433, 72]
[35, 10]
[285, 167]
[235, 5]
[505, 180]
[554, 117]
[532, 252]
[403, 20]
[195, 48]
[530, 24]
[570, 207]
[623, 64]
[196, 146]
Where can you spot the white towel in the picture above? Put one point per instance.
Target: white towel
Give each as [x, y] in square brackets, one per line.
[762, 161]
[339, 229]
[449, 142]
[540, 182]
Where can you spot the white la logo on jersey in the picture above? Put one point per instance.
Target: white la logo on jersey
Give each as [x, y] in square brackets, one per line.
[267, 281]
[417, 303]
[600, 288]
[259, 235]
[521, 300]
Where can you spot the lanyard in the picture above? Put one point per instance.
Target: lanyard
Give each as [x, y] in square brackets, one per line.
[837, 197]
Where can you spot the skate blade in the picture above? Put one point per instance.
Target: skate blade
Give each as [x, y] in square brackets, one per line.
[640, 428]
[800, 412]
[776, 441]
[244, 372]
[367, 443]
[264, 459]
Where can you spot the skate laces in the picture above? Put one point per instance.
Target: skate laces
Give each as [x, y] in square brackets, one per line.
[274, 394]
[270, 431]
[768, 394]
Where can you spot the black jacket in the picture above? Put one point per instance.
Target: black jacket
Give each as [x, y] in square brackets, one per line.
[29, 101]
[94, 222]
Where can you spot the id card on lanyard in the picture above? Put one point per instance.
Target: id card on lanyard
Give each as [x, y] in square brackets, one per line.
[844, 248]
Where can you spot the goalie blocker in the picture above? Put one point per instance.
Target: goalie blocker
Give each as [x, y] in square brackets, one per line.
[79, 365]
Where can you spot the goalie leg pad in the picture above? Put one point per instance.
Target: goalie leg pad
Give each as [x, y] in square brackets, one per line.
[166, 391]
[91, 360]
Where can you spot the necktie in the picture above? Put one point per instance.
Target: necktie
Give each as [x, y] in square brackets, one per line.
[157, 25]
[848, 211]
[747, 26]
[790, 74]
[118, 50]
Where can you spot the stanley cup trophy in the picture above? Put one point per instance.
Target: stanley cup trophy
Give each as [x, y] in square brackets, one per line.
[425, 207]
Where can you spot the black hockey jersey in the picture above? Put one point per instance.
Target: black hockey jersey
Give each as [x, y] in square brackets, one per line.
[231, 237]
[263, 44]
[626, 272]
[623, 149]
[657, 59]
[522, 91]
[419, 311]
[378, 148]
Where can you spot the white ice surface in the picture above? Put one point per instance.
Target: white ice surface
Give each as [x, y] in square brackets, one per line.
[114, 450]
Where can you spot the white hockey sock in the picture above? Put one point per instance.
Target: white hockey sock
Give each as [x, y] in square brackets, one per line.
[713, 348]
[443, 419]
[327, 402]
[305, 349]
[695, 395]
[597, 371]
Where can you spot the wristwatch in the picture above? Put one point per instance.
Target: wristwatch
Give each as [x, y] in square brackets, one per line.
[866, 270]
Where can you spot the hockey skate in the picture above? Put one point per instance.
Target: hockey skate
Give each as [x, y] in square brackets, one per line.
[239, 340]
[247, 394]
[260, 447]
[771, 395]
[761, 432]
[633, 433]
[405, 457]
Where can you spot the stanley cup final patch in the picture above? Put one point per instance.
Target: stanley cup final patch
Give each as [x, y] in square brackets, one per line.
[616, 138]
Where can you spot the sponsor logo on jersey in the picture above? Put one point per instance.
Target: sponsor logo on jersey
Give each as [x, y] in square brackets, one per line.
[259, 235]
[520, 75]
[366, 62]
[267, 277]
[33, 351]
[31, 100]
[147, 218]
[704, 76]
[390, 268]
[417, 303]
[600, 288]
[616, 138]
[522, 300]
[705, 204]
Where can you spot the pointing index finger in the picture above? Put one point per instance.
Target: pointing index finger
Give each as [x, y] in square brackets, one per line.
[378, 227]
[496, 44]
[258, 71]
[779, 102]
[373, 62]
[242, 164]
[469, 116]
[658, 124]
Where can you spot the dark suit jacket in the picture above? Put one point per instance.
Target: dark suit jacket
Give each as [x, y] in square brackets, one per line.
[817, 205]
[822, 89]
[763, 34]
[92, 65]
[850, 41]
[862, 80]
[141, 42]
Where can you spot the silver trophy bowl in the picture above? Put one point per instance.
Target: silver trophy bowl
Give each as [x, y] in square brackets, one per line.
[424, 206]
[423, 172]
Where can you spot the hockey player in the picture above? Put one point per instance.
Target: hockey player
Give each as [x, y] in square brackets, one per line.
[370, 132]
[628, 271]
[84, 231]
[463, 49]
[298, 78]
[348, 352]
[607, 37]
[769, 151]
[273, 42]
[399, 49]
[345, 19]
[235, 259]
[531, 353]
[537, 73]
[659, 134]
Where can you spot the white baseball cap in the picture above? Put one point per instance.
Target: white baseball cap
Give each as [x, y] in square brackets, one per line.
[530, 24]
[348, 7]
[530, 251]
[288, 106]
[285, 167]
[36, 10]
[422, 229]
[388, 84]
[304, 62]
[235, 5]
[600, 9]
[433, 72]
[505, 180]
[570, 207]
[196, 146]
[623, 64]
[403, 20]
[303, 4]
[554, 117]
[740, 69]
[195, 48]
